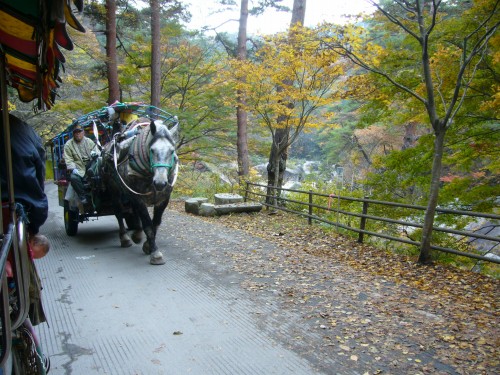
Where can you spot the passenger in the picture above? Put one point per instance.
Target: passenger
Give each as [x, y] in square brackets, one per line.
[28, 159]
[28, 169]
[77, 154]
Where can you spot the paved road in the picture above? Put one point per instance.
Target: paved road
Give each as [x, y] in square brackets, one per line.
[111, 312]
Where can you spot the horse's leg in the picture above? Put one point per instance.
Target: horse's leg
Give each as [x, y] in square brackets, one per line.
[124, 237]
[114, 194]
[137, 235]
[156, 257]
[158, 213]
[134, 223]
[149, 247]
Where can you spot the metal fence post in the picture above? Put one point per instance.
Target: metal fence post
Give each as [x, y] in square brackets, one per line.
[362, 224]
[309, 219]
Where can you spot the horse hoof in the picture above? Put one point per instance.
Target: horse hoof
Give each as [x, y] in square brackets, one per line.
[137, 237]
[126, 243]
[125, 240]
[145, 248]
[156, 258]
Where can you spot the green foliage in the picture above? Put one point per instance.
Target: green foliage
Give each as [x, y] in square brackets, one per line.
[403, 175]
[190, 90]
[471, 171]
[193, 183]
[131, 18]
[325, 207]
[392, 91]
[335, 139]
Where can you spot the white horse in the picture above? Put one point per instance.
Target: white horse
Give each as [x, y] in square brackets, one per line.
[140, 169]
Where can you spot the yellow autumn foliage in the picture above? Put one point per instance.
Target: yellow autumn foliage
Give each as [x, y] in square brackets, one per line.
[291, 78]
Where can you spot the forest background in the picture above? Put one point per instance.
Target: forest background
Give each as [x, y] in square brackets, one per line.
[351, 97]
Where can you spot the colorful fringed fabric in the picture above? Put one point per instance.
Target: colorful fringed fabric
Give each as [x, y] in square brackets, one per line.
[31, 35]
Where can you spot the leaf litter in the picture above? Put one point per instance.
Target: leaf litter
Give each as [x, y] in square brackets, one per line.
[377, 312]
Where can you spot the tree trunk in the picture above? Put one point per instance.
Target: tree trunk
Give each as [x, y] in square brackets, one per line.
[277, 163]
[425, 247]
[362, 150]
[241, 114]
[277, 183]
[281, 136]
[155, 53]
[298, 12]
[274, 182]
[111, 59]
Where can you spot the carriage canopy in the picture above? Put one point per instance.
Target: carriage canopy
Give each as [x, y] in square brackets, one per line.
[32, 33]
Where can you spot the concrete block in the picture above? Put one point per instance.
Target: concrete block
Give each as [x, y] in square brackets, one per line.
[207, 209]
[192, 205]
[224, 209]
[225, 198]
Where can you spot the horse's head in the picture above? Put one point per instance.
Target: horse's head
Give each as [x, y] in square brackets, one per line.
[163, 159]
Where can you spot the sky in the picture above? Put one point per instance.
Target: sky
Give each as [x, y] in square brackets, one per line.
[204, 14]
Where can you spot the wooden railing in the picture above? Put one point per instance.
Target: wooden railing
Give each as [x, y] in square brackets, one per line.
[343, 217]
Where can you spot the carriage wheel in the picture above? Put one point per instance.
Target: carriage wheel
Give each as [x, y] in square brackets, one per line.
[70, 220]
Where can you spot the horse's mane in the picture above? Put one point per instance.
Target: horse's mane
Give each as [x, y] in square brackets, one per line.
[162, 130]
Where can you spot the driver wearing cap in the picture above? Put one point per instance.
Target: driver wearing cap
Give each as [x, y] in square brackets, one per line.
[77, 153]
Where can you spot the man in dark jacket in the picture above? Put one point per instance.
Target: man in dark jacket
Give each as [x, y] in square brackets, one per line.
[28, 168]
[28, 164]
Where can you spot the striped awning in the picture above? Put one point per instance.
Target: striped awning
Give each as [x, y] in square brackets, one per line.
[31, 35]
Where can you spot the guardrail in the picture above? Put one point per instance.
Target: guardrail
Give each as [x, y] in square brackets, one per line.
[365, 204]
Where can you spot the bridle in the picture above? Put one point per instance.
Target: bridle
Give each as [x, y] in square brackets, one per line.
[152, 165]
[159, 165]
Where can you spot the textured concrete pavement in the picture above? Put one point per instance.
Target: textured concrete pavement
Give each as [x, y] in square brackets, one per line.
[111, 312]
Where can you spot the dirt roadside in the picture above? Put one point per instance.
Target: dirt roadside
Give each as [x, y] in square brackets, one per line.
[375, 312]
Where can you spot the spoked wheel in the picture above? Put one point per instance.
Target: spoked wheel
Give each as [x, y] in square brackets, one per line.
[27, 357]
[70, 220]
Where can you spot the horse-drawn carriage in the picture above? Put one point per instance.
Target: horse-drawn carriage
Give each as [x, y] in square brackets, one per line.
[135, 168]
[102, 126]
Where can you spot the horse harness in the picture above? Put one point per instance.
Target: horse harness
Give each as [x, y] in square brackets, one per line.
[141, 163]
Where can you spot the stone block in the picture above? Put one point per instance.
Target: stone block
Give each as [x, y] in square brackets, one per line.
[192, 205]
[207, 209]
[224, 209]
[225, 198]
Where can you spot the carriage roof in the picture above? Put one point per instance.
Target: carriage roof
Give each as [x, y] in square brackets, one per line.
[101, 120]
[31, 35]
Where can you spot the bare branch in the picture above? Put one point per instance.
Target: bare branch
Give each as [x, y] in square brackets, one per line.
[359, 62]
[395, 20]
[435, 6]
[480, 45]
